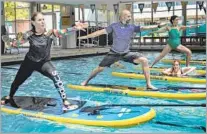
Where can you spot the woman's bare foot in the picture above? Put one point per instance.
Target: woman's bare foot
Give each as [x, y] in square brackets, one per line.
[4, 99]
[68, 106]
[66, 103]
[84, 83]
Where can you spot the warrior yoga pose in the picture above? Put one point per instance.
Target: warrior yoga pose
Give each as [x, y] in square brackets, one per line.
[38, 57]
[174, 41]
[122, 33]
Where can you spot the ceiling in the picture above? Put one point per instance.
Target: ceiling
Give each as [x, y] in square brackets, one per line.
[97, 2]
[88, 1]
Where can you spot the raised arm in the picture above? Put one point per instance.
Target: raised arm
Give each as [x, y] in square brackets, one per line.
[94, 34]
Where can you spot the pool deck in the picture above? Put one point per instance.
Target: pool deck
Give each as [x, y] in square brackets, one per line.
[59, 53]
[56, 53]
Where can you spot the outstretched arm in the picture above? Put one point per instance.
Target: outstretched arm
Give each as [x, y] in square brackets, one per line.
[26, 35]
[161, 30]
[21, 38]
[94, 34]
[152, 27]
[60, 33]
[187, 70]
[190, 26]
[167, 71]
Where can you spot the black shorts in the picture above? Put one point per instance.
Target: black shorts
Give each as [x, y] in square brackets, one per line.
[113, 57]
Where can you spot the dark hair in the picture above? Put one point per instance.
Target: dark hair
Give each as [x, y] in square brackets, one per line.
[173, 18]
[34, 15]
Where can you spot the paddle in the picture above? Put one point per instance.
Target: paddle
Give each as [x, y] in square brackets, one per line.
[180, 87]
[93, 110]
[179, 125]
[156, 105]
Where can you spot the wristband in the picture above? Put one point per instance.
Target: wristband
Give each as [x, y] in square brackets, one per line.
[63, 31]
[70, 29]
[55, 32]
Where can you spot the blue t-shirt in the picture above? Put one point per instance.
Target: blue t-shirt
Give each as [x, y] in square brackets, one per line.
[122, 35]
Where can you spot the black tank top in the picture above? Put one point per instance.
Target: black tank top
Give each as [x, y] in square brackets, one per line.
[181, 71]
[40, 45]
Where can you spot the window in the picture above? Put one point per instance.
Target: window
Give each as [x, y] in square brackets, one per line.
[163, 15]
[9, 11]
[22, 26]
[79, 14]
[143, 18]
[17, 17]
[22, 5]
[90, 17]
[178, 5]
[112, 17]
[102, 18]
[147, 7]
[9, 14]
[191, 18]
[56, 8]
[22, 14]
[46, 8]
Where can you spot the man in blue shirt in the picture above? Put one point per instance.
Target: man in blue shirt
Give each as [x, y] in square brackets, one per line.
[122, 33]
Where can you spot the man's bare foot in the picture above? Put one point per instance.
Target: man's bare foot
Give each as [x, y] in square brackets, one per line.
[151, 87]
[84, 83]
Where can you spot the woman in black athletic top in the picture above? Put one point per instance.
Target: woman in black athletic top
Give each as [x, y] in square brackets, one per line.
[38, 57]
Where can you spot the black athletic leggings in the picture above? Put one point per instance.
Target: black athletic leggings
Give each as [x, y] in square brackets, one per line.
[45, 68]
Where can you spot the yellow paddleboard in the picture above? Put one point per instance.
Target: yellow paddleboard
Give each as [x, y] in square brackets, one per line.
[184, 62]
[141, 92]
[201, 72]
[164, 78]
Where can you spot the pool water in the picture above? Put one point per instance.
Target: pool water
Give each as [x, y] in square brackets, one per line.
[74, 71]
